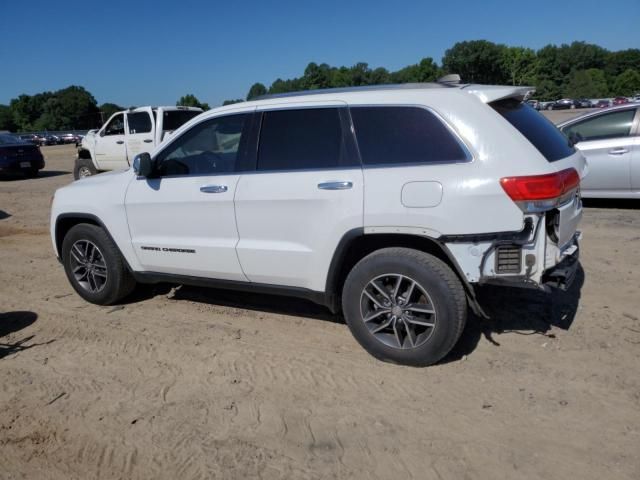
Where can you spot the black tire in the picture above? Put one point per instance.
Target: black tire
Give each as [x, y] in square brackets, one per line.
[83, 168]
[435, 278]
[119, 281]
[31, 173]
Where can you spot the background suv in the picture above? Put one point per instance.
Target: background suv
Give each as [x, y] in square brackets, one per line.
[389, 203]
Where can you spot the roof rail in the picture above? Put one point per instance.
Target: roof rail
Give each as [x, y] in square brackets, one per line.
[366, 88]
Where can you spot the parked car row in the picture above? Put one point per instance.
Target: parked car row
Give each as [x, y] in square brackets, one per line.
[571, 103]
[50, 139]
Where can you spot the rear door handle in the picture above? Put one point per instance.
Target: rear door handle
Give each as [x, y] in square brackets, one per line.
[213, 188]
[147, 140]
[338, 185]
[618, 151]
[120, 142]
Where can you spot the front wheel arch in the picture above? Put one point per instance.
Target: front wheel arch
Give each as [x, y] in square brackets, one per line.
[67, 221]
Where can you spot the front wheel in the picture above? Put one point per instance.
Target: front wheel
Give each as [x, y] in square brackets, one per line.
[83, 168]
[94, 266]
[404, 306]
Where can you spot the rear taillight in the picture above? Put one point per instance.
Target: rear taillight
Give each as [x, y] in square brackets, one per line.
[537, 193]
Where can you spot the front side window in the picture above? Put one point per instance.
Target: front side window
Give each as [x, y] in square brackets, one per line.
[404, 135]
[138, 122]
[209, 148]
[608, 125]
[302, 139]
[115, 126]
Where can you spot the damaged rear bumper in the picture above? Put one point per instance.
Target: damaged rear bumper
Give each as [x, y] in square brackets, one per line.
[563, 274]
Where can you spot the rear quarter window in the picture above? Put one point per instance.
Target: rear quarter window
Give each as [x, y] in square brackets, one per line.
[540, 132]
[404, 135]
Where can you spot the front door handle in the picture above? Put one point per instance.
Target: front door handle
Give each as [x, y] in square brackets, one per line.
[120, 142]
[213, 188]
[147, 140]
[337, 185]
[618, 151]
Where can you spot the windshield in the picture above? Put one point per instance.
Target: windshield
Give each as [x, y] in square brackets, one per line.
[542, 134]
[174, 119]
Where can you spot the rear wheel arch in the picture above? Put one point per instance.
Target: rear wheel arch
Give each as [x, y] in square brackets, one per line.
[355, 245]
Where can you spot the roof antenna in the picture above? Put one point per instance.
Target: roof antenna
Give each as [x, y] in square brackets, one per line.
[452, 78]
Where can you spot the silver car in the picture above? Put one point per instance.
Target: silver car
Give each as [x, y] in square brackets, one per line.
[610, 140]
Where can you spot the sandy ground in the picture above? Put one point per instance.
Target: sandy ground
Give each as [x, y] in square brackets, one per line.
[210, 384]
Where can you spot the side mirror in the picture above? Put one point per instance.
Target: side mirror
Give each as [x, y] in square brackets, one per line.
[143, 165]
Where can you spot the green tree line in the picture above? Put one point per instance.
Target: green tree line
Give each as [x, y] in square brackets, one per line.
[575, 70]
[70, 108]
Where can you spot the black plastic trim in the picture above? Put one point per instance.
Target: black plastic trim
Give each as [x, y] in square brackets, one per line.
[154, 277]
[519, 236]
[336, 264]
[471, 293]
[563, 274]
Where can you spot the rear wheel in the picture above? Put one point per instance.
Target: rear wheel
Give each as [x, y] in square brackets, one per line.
[404, 306]
[83, 168]
[94, 266]
[31, 173]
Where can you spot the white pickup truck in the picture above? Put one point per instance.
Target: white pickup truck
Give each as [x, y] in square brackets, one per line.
[127, 134]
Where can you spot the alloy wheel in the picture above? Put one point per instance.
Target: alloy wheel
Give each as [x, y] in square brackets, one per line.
[398, 311]
[88, 266]
[84, 172]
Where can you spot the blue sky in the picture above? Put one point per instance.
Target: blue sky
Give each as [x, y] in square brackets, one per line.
[139, 53]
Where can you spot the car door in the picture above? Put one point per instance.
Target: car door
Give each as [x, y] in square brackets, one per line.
[140, 132]
[110, 149]
[305, 194]
[605, 140]
[182, 221]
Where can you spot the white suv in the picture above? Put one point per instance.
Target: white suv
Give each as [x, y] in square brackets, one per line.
[390, 203]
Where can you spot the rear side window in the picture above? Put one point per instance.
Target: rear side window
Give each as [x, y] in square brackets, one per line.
[302, 139]
[608, 125]
[139, 122]
[401, 135]
[542, 134]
